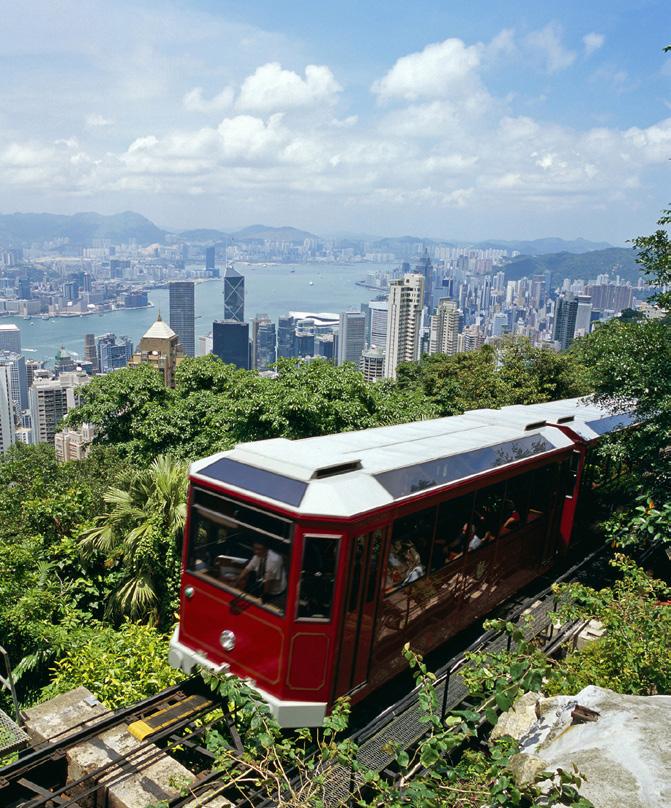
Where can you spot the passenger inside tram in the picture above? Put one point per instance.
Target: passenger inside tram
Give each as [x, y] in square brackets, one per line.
[270, 577]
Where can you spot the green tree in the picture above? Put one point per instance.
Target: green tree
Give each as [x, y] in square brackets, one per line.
[140, 534]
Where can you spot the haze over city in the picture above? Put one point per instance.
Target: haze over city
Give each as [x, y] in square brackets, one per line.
[506, 121]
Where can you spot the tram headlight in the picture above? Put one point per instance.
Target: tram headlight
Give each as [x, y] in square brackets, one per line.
[227, 640]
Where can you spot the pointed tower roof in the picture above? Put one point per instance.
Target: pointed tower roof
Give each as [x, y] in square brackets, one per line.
[231, 272]
[159, 330]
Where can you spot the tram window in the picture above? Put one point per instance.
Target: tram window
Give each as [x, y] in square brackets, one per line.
[410, 548]
[542, 483]
[242, 559]
[516, 503]
[315, 596]
[452, 526]
[253, 517]
[490, 505]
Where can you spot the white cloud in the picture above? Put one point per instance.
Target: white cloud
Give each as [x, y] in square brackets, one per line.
[547, 43]
[194, 101]
[271, 88]
[439, 71]
[592, 42]
[94, 120]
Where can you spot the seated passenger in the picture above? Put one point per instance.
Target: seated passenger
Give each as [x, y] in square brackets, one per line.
[270, 575]
[513, 519]
[414, 567]
[473, 541]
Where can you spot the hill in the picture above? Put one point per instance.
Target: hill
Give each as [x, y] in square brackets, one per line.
[203, 234]
[22, 229]
[262, 232]
[616, 260]
[545, 246]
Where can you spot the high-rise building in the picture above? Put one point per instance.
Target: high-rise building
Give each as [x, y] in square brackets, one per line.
[113, 352]
[325, 346]
[23, 290]
[183, 314]
[159, 348]
[351, 337]
[230, 342]
[209, 257]
[404, 321]
[73, 444]
[18, 379]
[425, 269]
[48, 405]
[566, 312]
[583, 318]
[10, 338]
[64, 361]
[286, 341]
[372, 364]
[90, 353]
[470, 339]
[234, 295]
[264, 342]
[379, 311]
[444, 328]
[205, 345]
[7, 420]
[500, 324]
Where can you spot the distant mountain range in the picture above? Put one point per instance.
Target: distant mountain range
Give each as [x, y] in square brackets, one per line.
[23, 229]
[81, 229]
[616, 260]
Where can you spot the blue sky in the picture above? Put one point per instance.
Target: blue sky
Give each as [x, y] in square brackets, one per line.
[455, 120]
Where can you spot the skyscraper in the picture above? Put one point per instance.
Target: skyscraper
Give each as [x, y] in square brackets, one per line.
[7, 424]
[583, 318]
[379, 311]
[425, 268]
[351, 337]
[264, 342]
[161, 349]
[564, 326]
[113, 352]
[372, 364]
[10, 338]
[234, 295]
[18, 379]
[209, 258]
[48, 405]
[230, 342]
[445, 328]
[403, 321]
[183, 314]
[286, 340]
[90, 353]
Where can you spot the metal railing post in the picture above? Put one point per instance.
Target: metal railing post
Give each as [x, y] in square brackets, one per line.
[8, 683]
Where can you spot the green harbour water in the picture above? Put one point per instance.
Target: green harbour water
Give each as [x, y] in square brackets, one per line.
[270, 289]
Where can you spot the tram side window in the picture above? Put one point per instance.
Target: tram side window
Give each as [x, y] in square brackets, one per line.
[454, 521]
[542, 484]
[410, 548]
[490, 504]
[516, 503]
[315, 596]
[245, 560]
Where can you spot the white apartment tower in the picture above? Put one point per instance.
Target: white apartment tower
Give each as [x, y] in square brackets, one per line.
[351, 337]
[48, 405]
[445, 328]
[7, 427]
[404, 321]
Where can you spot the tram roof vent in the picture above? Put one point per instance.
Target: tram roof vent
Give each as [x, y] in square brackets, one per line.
[535, 425]
[565, 419]
[338, 468]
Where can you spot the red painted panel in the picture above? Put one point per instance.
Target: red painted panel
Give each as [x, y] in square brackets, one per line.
[307, 661]
[260, 643]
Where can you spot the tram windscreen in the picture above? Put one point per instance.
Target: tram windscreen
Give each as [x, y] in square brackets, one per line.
[239, 548]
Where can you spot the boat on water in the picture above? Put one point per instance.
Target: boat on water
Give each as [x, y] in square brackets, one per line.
[312, 283]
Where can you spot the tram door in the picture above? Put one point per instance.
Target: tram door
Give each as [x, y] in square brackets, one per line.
[365, 569]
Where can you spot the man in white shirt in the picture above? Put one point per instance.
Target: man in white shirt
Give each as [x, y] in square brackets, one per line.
[268, 567]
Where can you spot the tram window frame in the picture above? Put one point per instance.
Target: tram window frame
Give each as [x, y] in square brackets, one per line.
[248, 535]
[424, 556]
[319, 537]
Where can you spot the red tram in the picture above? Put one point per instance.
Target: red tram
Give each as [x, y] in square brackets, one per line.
[308, 564]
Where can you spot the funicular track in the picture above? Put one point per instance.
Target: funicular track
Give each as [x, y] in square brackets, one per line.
[179, 718]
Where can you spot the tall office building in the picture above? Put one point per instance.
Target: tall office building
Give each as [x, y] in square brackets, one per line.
[183, 314]
[351, 337]
[583, 317]
[209, 258]
[445, 328]
[7, 422]
[470, 339]
[230, 342]
[48, 405]
[500, 324]
[425, 269]
[264, 342]
[566, 312]
[372, 364]
[23, 290]
[90, 353]
[379, 311]
[404, 321]
[234, 295]
[18, 379]
[10, 338]
[113, 352]
[286, 339]
[159, 348]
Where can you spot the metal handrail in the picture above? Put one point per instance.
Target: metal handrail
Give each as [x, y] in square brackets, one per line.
[7, 683]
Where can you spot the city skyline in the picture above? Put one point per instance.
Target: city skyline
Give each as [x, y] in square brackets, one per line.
[433, 120]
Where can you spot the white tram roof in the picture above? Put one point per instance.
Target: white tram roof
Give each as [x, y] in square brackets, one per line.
[350, 473]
